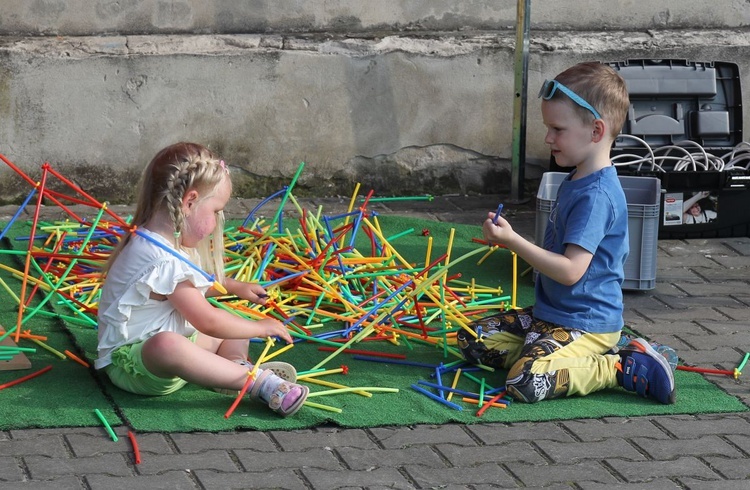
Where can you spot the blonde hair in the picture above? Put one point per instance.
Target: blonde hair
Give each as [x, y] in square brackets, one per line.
[602, 87]
[173, 172]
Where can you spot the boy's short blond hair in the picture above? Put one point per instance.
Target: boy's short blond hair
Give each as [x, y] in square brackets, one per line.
[602, 87]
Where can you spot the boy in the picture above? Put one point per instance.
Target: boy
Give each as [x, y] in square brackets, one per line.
[562, 346]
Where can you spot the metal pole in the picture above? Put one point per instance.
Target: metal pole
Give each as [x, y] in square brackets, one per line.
[521, 66]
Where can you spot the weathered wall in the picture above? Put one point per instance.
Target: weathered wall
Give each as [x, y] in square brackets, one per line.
[404, 98]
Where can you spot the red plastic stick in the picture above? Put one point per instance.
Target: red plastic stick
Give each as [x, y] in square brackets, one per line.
[25, 378]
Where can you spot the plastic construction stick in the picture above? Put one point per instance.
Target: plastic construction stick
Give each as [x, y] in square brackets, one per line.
[738, 369]
[76, 358]
[240, 395]
[336, 391]
[330, 384]
[396, 361]
[696, 369]
[136, 450]
[436, 398]
[489, 403]
[474, 401]
[47, 347]
[497, 214]
[107, 427]
[25, 378]
[181, 257]
[327, 408]
[365, 352]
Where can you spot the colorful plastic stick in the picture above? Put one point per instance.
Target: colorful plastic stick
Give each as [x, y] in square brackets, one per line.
[136, 450]
[497, 213]
[25, 378]
[436, 398]
[106, 425]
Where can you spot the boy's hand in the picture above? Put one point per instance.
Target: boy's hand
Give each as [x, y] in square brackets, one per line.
[496, 233]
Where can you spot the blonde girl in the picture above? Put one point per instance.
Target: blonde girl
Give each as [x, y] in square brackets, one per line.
[157, 331]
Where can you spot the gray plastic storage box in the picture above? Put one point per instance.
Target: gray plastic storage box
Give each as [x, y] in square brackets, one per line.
[643, 198]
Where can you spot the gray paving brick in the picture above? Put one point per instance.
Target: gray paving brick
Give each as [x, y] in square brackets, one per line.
[85, 445]
[710, 342]
[310, 458]
[570, 453]
[691, 427]
[169, 480]
[45, 468]
[645, 471]
[493, 434]
[364, 459]
[613, 427]
[658, 484]
[742, 441]
[739, 313]
[544, 475]
[208, 460]
[732, 469]
[421, 435]
[330, 480]
[42, 446]
[695, 484]
[682, 314]
[480, 474]
[670, 449]
[197, 442]
[721, 289]
[10, 469]
[63, 483]
[461, 456]
[299, 440]
[277, 479]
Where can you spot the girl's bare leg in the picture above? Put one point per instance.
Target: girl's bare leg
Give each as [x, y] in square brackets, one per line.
[168, 354]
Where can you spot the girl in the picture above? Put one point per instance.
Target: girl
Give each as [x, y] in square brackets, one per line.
[157, 331]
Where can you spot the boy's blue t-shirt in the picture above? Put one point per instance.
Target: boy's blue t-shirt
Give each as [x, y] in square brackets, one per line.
[592, 213]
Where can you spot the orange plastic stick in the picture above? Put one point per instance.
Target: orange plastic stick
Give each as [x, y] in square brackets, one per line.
[76, 358]
[134, 443]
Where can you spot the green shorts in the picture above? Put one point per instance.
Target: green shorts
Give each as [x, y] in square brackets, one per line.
[128, 372]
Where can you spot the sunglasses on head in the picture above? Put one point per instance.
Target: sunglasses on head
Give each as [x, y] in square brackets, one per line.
[549, 87]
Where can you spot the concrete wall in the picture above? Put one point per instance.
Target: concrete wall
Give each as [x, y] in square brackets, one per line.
[404, 97]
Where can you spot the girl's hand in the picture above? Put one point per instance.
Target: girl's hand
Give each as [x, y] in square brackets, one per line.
[274, 328]
[496, 233]
[250, 291]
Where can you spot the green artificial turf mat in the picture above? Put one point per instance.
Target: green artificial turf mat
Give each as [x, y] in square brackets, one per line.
[68, 394]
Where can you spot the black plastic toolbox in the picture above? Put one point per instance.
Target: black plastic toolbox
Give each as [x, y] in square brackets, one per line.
[684, 127]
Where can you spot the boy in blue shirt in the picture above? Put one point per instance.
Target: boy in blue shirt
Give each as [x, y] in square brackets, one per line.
[563, 344]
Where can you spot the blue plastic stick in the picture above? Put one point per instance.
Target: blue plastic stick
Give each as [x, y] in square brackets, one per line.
[18, 212]
[497, 213]
[436, 398]
[175, 253]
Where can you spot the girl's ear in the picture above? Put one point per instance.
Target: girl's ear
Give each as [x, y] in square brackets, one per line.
[189, 199]
[599, 131]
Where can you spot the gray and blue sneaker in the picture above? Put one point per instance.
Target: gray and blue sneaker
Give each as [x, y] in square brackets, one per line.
[669, 353]
[646, 372]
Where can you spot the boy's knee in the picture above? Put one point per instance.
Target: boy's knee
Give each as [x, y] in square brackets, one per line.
[525, 386]
[476, 352]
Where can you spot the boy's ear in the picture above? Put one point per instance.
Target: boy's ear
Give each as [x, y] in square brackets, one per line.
[599, 131]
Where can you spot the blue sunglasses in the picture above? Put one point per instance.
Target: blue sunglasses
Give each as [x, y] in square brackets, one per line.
[549, 87]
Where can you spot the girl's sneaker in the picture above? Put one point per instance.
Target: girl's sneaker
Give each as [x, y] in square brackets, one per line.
[282, 397]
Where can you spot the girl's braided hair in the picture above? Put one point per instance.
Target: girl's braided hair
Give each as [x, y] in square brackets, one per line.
[173, 172]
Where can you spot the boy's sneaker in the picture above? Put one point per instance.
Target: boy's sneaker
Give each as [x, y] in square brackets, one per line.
[646, 372]
[669, 353]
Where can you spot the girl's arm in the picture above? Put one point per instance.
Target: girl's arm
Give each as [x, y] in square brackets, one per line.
[250, 291]
[215, 322]
[567, 268]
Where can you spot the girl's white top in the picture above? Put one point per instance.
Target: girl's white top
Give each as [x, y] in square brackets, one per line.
[127, 313]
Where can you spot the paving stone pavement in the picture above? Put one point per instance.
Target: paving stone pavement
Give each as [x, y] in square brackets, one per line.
[699, 306]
